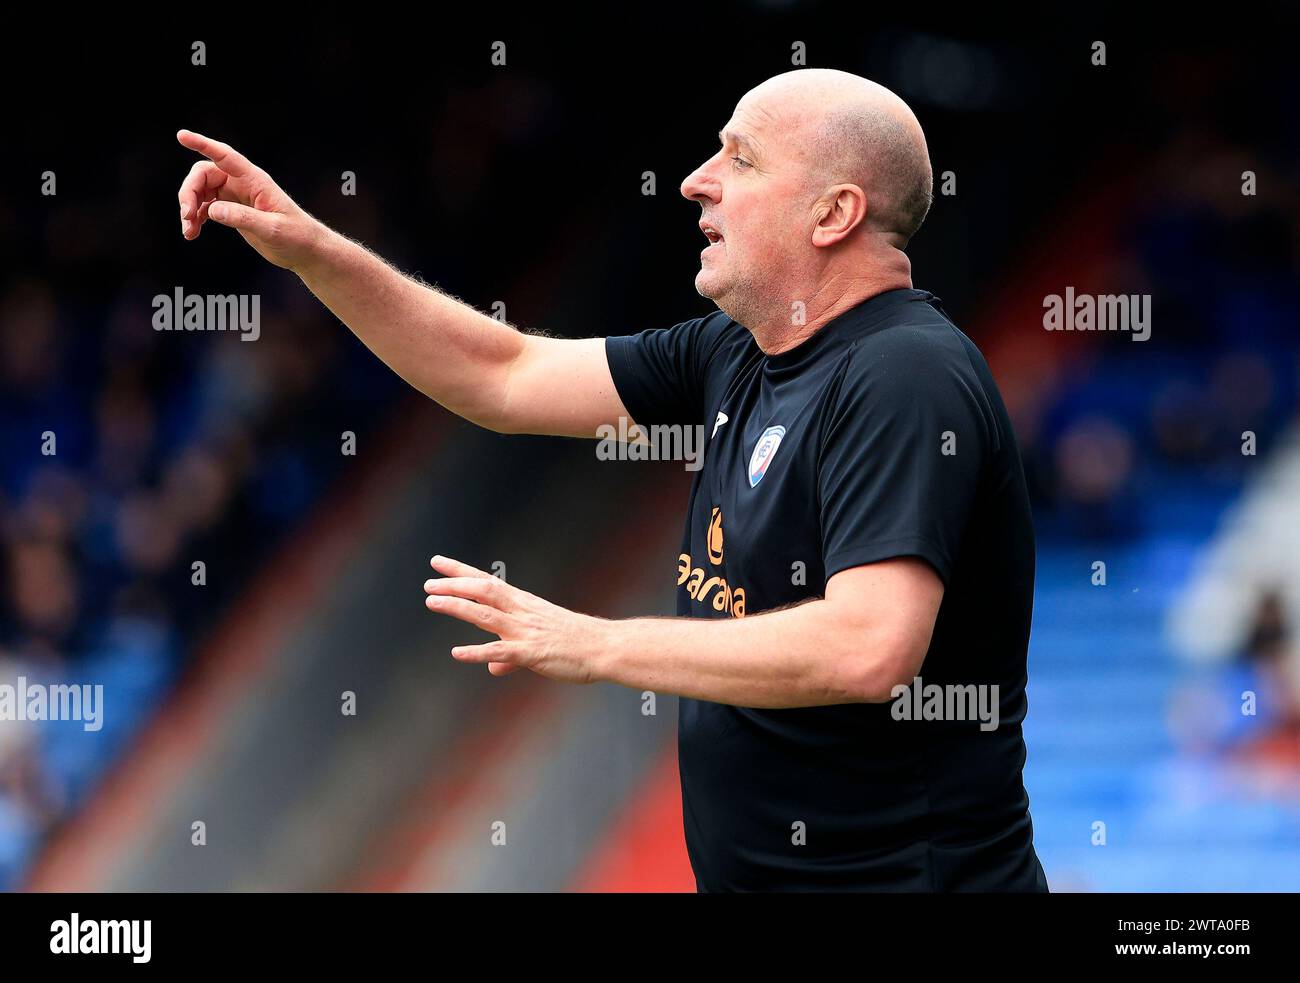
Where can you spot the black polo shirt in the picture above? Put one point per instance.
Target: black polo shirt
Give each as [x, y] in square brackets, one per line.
[882, 435]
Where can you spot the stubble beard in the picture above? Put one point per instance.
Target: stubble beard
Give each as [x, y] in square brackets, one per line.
[744, 299]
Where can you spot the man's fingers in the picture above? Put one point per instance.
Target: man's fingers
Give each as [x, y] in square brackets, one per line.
[242, 217]
[502, 654]
[448, 567]
[483, 590]
[478, 615]
[501, 668]
[223, 155]
[200, 186]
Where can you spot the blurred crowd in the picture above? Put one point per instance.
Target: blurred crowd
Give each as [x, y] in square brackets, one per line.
[1150, 441]
[1223, 361]
[144, 476]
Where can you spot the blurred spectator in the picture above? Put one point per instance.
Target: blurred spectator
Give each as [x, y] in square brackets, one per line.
[1249, 708]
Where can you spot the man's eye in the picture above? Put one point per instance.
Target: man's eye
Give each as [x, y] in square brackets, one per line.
[741, 162]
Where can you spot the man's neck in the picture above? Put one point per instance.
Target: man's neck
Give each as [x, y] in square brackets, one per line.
[825, 301]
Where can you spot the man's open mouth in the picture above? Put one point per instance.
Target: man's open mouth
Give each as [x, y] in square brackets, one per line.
[712, 234]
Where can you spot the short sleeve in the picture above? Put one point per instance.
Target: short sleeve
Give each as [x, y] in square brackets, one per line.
[904, 448]
[661, 373]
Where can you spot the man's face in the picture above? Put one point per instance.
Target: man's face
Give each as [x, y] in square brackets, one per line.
[755, 203]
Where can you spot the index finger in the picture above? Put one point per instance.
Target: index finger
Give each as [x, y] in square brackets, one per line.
[454, 568]
[223, 155]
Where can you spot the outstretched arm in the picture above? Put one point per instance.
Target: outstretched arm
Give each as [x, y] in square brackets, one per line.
[479, 368]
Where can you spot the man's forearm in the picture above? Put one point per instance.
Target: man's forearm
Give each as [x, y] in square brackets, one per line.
[869, 633]
[455, 355]
[795, 657]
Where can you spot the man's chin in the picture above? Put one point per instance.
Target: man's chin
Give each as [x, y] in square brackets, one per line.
[706, 285]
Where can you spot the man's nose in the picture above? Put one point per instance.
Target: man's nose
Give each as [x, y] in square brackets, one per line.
[700, 185]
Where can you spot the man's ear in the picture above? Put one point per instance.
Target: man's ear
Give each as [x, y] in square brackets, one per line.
[844, 208]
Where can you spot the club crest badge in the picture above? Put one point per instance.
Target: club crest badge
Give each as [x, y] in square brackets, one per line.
[764, 451]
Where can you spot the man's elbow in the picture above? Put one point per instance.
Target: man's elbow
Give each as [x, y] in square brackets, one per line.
[884, 616]
[874, 675]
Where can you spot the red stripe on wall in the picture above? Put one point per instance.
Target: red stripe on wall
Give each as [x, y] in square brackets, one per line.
[645, 848]
[522, 713]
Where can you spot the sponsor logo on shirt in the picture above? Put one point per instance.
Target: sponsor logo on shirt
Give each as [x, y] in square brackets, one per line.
[715, 536]
[764, 451]
[700, 585]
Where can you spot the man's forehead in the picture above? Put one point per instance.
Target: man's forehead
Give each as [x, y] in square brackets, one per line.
[739, 135]
[759, 124]
[751, 114]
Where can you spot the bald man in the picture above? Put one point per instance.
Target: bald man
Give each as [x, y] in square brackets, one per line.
[855, 580]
